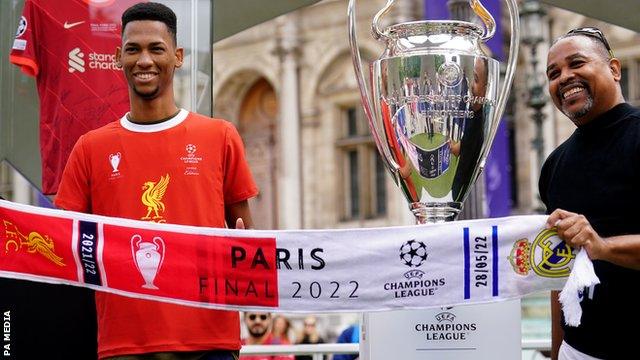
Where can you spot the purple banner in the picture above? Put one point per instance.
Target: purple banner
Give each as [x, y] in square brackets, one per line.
[497, 172]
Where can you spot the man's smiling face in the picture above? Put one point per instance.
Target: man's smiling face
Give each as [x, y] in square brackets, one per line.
[149, 58]
[583, 82]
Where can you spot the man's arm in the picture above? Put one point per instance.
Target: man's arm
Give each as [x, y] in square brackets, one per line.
[557, 333]
[238, 211]
[576, 231]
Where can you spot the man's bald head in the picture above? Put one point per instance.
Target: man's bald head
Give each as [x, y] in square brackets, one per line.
[598, 44]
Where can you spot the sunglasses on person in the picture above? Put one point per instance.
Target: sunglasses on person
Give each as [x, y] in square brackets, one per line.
[594, 33]
[262, 317]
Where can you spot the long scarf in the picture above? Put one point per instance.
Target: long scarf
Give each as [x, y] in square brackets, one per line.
[349, 270]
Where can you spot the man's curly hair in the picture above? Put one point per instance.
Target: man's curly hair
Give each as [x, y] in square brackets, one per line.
[152, 11]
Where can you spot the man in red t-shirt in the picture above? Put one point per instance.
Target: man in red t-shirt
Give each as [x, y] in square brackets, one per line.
[162, 164]
[259, 326]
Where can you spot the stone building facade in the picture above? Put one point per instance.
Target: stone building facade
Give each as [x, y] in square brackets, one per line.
[289, 86]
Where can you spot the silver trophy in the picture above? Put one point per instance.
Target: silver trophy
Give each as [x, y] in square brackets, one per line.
[435, 105]
[148, 257]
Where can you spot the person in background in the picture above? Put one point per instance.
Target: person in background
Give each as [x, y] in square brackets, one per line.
[350, 335]
[259, 328]
[309, 335]
[281, 329]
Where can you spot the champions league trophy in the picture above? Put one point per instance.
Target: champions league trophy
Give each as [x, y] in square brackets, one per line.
[435, 107]
[148, 258]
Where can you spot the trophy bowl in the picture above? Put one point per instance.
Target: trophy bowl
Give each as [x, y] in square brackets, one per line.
[434, 105]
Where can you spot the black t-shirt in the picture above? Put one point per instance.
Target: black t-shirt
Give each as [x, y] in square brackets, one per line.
[596, 172]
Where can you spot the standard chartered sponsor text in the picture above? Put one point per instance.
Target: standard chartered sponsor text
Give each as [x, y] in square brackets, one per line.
[102, 61]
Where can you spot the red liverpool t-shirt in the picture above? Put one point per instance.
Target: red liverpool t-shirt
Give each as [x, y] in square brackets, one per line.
[195, 166]
[69, 46]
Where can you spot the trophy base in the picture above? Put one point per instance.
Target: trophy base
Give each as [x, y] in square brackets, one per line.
[429, 213]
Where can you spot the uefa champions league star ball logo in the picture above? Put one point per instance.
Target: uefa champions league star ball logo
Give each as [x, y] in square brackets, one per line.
[413, 253]
[191, 149]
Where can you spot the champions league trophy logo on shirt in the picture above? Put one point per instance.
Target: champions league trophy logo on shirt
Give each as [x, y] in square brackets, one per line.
[148, 258]
[114, 159]
[434, 106]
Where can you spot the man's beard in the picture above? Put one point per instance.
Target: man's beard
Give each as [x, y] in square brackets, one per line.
[576, 115]
[258, 331]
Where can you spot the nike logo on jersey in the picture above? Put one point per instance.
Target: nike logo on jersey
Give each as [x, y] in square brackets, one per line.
[70, 25]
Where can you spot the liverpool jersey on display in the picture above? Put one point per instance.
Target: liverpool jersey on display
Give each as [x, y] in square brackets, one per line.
[69, 47]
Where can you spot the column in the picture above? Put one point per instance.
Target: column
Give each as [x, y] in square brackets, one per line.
[289, 177]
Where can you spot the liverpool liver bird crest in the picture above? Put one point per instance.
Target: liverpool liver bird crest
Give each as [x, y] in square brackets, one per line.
[152, 197]
[33, 242]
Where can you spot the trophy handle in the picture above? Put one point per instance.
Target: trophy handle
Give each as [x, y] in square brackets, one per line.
[135, 242]
[157, 241]
[508, 78]
[486, 17]
[367, 103]
[375, 25]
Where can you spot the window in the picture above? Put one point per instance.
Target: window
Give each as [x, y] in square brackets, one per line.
[630, 80]
[363, 176]
[624, 81]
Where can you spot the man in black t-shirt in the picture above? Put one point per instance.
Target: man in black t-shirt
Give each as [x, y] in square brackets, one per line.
[590, 186]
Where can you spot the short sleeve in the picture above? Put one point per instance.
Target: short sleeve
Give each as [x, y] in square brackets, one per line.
[74, 192]
[238, 181]
[23, 51]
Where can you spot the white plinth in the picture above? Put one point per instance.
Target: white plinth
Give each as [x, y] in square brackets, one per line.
[487, 331]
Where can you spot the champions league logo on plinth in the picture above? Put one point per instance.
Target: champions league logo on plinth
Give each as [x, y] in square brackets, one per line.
[446, 328]
[414, 254]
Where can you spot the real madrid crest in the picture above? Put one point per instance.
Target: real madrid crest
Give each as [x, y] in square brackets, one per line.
[548, 256]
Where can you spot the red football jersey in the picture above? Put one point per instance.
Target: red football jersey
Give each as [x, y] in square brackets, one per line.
[181, 171]
[69, 46]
